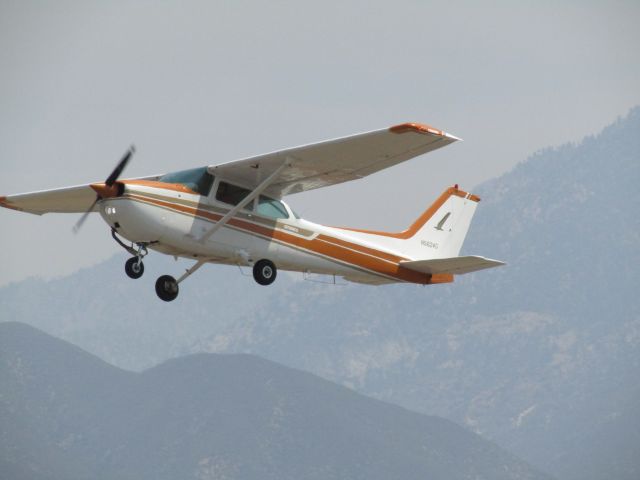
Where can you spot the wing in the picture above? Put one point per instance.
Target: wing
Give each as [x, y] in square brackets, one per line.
[335, 161]
[455, 265]
[75, 199]
[64, 200]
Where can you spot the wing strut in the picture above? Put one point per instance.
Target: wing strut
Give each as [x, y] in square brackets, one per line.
[245, 201]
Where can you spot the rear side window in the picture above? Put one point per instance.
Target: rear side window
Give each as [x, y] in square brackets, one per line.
[232, 194]
[271, 208]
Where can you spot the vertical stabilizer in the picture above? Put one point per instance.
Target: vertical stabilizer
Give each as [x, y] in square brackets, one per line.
[440, 231]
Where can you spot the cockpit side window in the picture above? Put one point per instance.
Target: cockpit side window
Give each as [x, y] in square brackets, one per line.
[232, 194]
[271, 208]
[197, 179]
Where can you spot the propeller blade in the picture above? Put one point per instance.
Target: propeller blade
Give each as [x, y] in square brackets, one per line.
[84, 216]
[111, 179]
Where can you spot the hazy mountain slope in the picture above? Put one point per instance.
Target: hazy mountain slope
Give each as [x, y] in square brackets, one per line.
[541, 356]
[68, 415]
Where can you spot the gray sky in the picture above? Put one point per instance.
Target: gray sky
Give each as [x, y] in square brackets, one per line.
[196, 83]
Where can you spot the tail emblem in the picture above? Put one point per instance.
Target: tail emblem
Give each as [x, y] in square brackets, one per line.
[442, 222]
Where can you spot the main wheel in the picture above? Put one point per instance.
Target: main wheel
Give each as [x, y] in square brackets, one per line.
[133, 268]
[167, 288]
[264, 272]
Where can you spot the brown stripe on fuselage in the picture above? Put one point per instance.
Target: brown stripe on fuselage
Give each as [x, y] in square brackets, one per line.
[369, 259]
[222, 211]
[371, 251]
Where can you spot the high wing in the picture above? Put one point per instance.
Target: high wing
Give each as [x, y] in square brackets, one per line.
[455, 265]
[335, 161]
[308, 167]
[76, 199]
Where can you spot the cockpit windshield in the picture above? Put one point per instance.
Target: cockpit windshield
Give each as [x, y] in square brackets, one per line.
[197, 179]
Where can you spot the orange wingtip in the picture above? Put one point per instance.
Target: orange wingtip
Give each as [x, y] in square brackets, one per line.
[416, 127]
[5, 204]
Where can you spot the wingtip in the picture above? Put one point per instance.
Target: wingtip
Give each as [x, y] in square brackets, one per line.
[452, 137]
[4, 203]
[422, 128]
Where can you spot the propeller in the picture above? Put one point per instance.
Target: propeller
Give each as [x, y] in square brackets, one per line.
[109, 182]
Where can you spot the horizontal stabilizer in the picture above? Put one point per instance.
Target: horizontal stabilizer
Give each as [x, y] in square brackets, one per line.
[454, 265]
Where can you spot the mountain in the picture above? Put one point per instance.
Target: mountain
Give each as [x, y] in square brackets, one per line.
[67, 414]
[541, 356]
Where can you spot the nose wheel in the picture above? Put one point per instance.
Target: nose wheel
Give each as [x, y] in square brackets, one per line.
[134, 268]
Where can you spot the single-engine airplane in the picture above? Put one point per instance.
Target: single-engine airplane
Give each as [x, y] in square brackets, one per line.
[232, 213]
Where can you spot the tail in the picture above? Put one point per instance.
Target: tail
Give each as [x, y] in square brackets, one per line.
[440, 231]
[435, 239]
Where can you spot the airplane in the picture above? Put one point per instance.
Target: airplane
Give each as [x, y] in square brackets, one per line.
[232, 213]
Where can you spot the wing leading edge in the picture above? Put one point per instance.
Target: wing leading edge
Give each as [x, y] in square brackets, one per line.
[335, 161]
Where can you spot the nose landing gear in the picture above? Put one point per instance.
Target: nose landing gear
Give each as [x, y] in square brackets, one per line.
[134, 268]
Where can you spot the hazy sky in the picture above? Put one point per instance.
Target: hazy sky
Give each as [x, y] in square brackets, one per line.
[197, 83]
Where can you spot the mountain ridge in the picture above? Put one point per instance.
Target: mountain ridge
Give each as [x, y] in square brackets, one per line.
[211, 415]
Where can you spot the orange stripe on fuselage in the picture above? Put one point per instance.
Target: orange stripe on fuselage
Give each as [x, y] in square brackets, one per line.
[352, 254]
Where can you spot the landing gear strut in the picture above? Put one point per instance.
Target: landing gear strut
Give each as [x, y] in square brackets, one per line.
[264, 272]
[134, 268]
[167, 286]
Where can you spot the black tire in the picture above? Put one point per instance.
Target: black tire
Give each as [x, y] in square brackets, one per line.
[264, 272]
[167, 288]
[134, 269]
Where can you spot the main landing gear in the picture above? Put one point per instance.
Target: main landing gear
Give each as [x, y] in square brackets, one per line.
[264, 272]
[167, 287]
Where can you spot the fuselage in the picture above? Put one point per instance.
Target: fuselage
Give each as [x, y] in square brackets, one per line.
[172, 218]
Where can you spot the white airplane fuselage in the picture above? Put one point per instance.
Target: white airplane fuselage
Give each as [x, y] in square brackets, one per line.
[173, 221]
